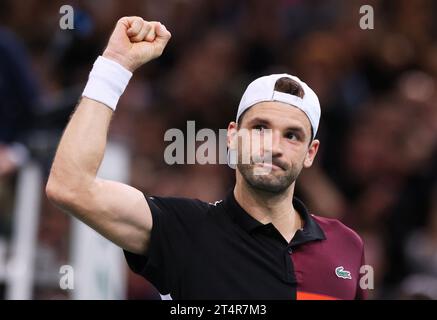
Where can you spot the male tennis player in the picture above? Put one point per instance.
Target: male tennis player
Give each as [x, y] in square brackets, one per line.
[258, 243]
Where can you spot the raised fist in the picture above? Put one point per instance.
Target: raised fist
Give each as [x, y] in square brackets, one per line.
[135, 42]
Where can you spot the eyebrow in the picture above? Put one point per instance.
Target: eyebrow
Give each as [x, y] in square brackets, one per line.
[259, 121]
[294, 128]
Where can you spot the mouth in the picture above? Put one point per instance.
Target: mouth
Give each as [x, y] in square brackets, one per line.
[270, 166]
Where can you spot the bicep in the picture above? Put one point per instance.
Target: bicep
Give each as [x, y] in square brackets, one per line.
[118, 212]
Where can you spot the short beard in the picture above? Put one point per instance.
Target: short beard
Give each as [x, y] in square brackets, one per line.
[275, 183]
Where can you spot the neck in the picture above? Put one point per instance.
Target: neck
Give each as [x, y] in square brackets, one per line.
[268, 207]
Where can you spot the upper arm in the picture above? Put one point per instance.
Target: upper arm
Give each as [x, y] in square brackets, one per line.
[117, 211]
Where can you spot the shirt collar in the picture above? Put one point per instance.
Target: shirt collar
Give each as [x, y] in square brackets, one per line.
[311, 230]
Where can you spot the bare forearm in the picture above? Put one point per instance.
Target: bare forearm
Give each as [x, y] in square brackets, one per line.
[82, 146]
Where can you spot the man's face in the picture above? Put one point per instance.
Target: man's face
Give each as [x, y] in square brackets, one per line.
[289, 131]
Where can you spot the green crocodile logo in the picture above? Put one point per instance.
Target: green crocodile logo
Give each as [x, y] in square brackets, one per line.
[341, 273]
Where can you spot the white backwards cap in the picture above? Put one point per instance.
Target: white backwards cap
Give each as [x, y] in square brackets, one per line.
[263, 90]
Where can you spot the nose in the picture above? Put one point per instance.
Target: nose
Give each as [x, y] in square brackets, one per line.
[277, 144]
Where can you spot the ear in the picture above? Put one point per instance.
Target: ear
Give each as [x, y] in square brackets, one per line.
[311, 154]
[232, 135]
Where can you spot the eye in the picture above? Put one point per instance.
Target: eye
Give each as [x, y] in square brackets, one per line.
[259, 127]
[291, 136]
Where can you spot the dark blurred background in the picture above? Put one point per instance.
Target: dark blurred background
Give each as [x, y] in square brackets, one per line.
[377, 167]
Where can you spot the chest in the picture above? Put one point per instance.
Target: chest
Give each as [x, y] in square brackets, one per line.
[237, 265]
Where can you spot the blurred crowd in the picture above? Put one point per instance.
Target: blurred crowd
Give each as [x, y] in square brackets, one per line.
[377, 167]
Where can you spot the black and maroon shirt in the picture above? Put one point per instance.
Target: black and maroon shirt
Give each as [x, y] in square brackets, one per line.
[200, 250]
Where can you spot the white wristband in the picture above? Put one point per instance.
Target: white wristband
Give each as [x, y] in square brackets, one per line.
[107, 82]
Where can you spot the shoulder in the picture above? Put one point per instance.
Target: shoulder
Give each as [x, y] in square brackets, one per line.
[179, 207]
[179, 212]
[178, 203]
[335, 228]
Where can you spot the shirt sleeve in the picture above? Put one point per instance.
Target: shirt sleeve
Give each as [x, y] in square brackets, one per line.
[175, 221]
